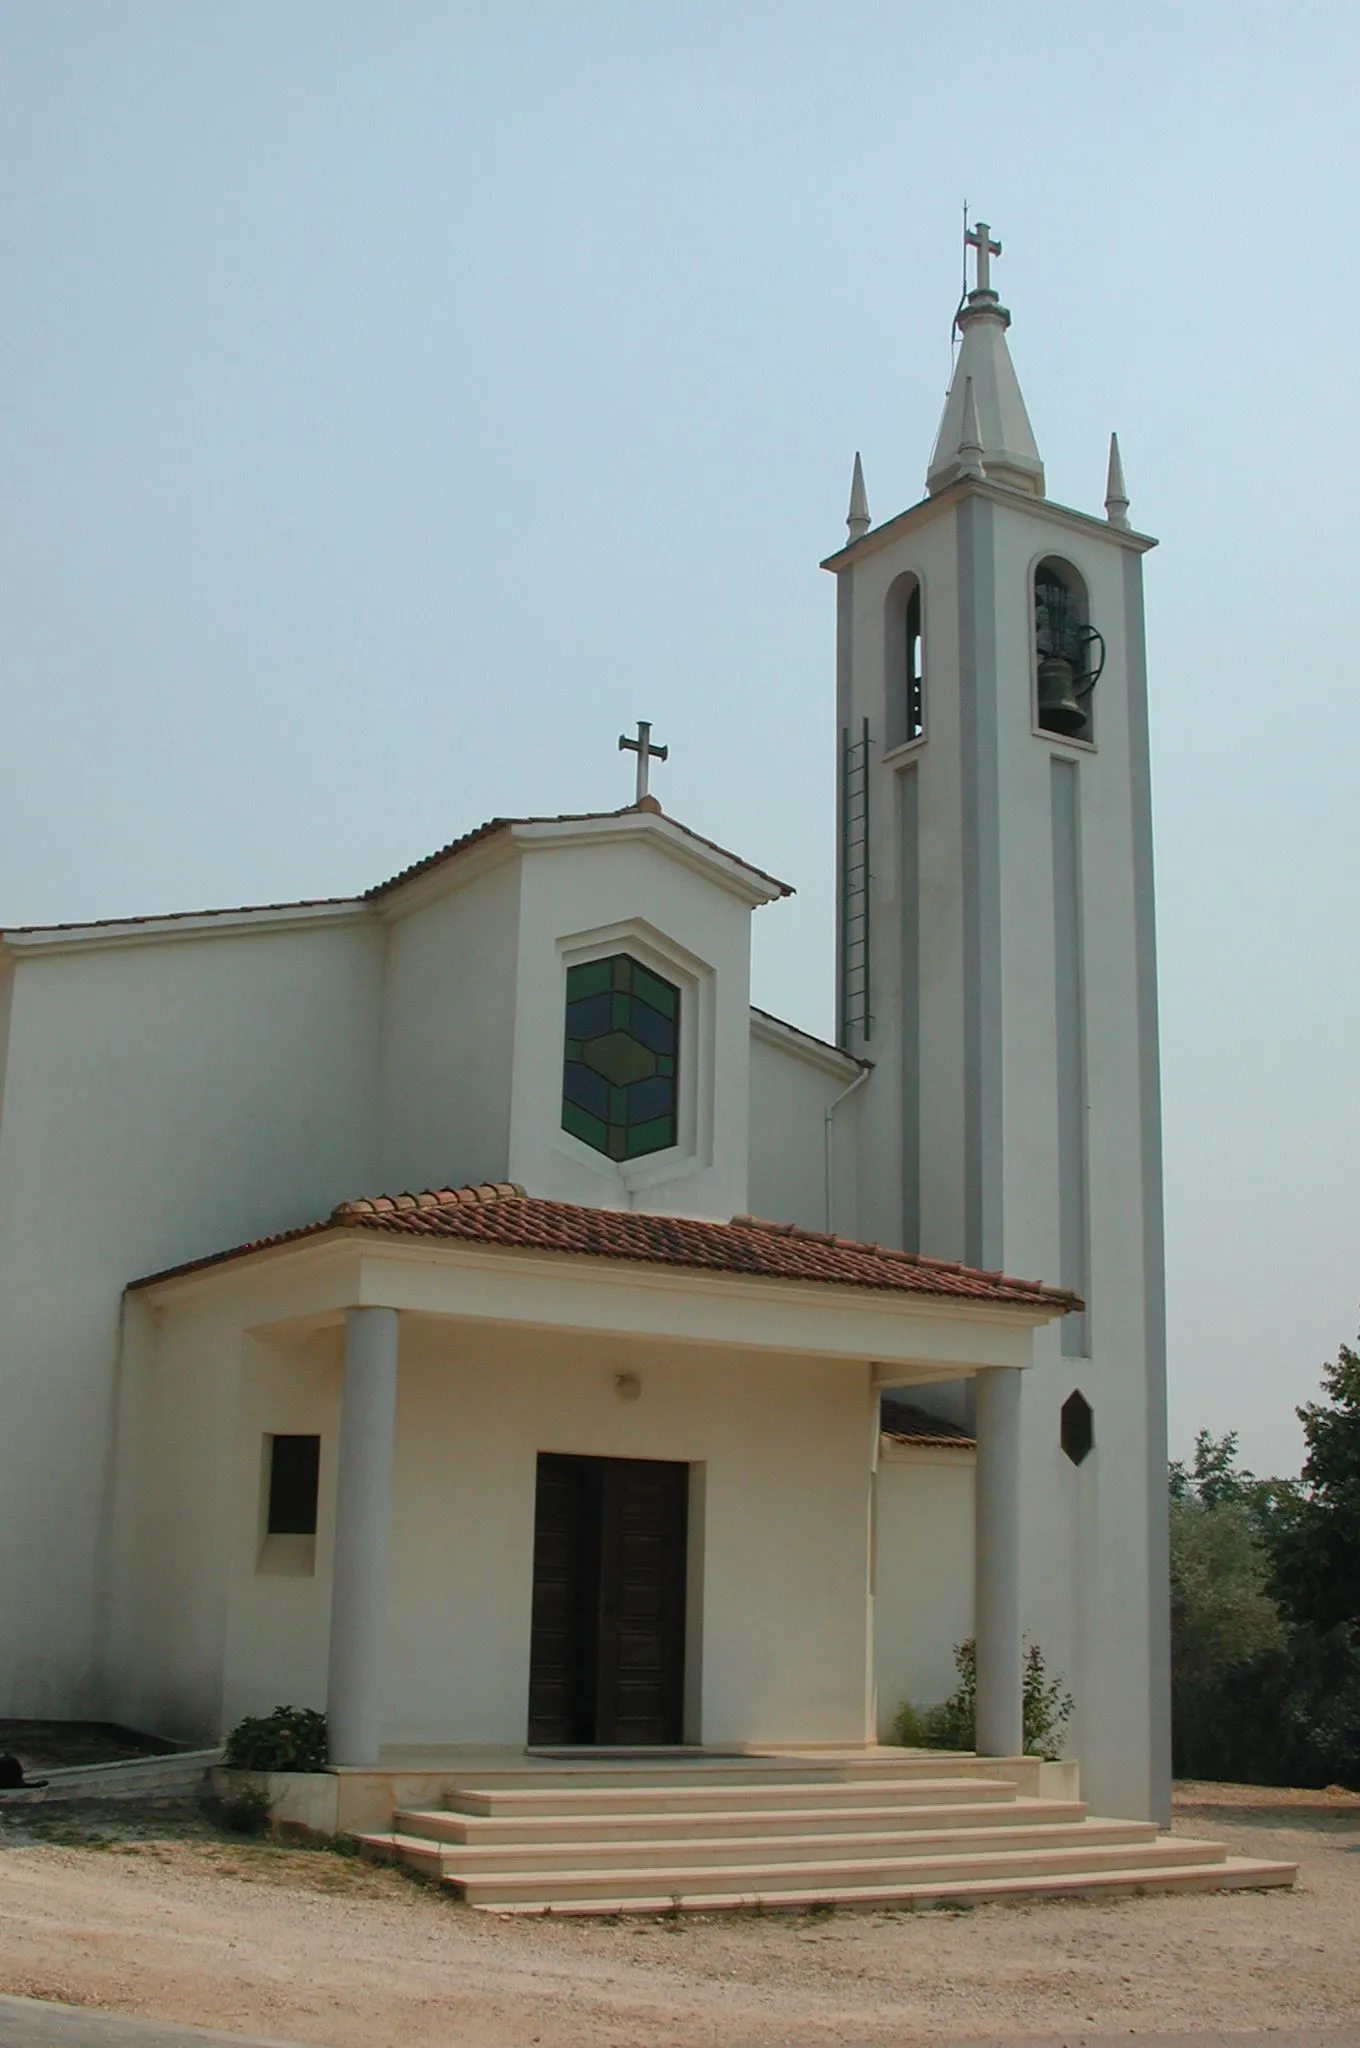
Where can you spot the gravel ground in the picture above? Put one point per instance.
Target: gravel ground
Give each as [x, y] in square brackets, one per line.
[158, 1913]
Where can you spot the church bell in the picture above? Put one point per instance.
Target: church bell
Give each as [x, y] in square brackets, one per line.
[1059, 710]
[1071, 656]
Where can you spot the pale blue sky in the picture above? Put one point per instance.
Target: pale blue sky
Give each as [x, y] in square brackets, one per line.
[397, 400]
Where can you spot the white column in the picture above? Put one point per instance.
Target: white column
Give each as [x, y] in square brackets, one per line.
[1000, 1725]
[363, 1510]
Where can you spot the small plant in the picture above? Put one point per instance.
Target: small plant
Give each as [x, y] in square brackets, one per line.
[289, 1739]
[247, 1811]
[1047, 1708]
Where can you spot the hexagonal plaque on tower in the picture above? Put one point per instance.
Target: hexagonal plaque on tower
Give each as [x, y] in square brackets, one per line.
[1077, 1431]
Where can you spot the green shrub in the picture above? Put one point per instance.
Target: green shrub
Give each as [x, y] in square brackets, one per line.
[953, 1724]
[247, 1811]
[289, 1739]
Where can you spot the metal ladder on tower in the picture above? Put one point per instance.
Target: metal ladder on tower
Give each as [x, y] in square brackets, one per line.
[856, 1015]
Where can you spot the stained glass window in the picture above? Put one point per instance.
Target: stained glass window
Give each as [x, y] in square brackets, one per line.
[619, 1084]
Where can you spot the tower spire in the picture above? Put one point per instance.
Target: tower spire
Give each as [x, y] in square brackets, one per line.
[857, 518]
[1116, 496]
[1008, 452]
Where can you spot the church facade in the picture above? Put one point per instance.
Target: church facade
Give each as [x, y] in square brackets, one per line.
[457, 1307]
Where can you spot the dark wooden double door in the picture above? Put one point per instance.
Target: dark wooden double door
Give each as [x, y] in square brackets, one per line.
[607, 1662]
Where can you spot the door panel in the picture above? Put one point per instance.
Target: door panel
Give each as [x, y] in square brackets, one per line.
[564, 1652]
[607, 1659]
[642, 1609]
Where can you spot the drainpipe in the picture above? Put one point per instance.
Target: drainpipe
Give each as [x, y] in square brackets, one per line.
[828, 1114]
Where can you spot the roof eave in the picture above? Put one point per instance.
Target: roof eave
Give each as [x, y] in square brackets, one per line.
[500, 840]
[817, 1052]
[180, 926]
[320, 1243]
[929, 508]
[740, 877]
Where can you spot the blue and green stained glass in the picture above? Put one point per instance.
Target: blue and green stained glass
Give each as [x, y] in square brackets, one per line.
[619, 1086]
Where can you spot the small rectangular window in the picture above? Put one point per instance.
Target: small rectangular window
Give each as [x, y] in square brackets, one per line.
[294, 1469]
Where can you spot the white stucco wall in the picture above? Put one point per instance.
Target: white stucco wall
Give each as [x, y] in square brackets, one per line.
[160, 1100]
[588, 900]
[449, 1003]
[170, 1090]
[923, 1589]
[792, 1087]
[781, 1589]
[1089, 1599]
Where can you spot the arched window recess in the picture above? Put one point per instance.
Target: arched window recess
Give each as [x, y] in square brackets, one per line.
[904, 676]
[1069, 653]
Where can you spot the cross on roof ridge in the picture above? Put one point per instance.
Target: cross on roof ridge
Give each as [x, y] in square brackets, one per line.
[646, 753]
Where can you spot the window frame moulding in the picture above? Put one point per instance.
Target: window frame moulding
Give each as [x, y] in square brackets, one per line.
[695, 1059]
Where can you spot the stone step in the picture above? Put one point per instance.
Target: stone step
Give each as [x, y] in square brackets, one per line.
[621, 1771]
[1234, 1873]
[681, 1793]
[952, 1863]
[462, 1864]
[731, 1821]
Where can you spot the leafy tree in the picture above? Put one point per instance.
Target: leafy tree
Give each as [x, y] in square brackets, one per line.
[1214, 1479]
[1222, 1614]
[1317, 1547]
[1224, 1623]
[1265, 1663]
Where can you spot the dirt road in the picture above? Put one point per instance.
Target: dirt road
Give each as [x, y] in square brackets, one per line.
[160, 1915]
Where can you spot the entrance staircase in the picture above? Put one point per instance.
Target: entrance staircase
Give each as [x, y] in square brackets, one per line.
[700, 1833]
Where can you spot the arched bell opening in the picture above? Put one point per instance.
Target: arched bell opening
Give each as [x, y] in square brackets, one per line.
[904, 650]
[1069, 652]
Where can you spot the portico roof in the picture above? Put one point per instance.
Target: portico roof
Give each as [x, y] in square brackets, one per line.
[503, 1215]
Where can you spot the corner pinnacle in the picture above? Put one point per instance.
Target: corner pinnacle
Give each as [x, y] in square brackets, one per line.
[857, 518]
[1116, 496]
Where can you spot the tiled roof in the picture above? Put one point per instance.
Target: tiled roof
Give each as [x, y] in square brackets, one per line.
[454, 847]
[380, 889]
[494, 825]
[96, 924]
[905, 1423]
[504, 1215]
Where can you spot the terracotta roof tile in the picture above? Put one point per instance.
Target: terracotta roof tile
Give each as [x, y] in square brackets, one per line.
[494, 825]
[96, 924]
[902, 1422]
[502, 1214]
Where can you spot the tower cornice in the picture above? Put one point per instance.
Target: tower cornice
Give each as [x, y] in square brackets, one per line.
[937, 507]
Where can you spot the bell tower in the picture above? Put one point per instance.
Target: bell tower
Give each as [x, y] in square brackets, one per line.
[996, 962]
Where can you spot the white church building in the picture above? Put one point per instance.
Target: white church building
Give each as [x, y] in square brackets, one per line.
[457, 1307]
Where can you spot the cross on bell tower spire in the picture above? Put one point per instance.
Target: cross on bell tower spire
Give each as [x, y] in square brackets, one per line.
[992, 439]
[980, 238]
